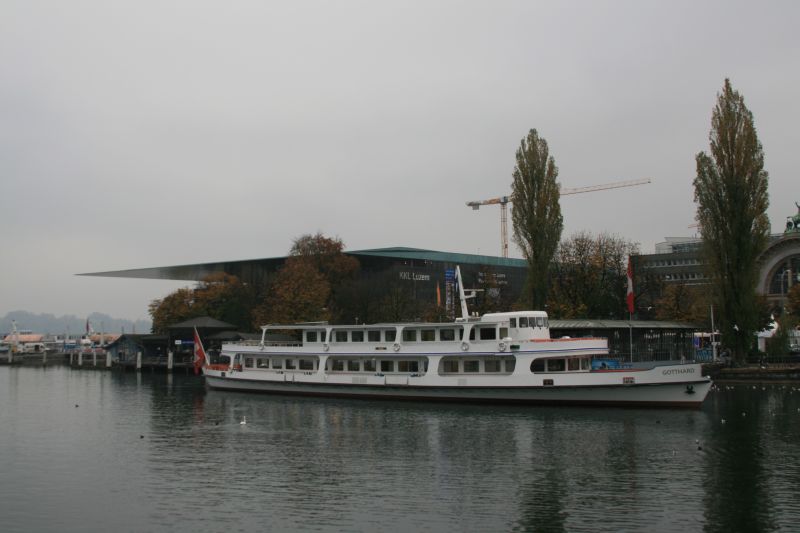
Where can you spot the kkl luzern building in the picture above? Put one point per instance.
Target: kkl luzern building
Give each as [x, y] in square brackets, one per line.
[428, 277]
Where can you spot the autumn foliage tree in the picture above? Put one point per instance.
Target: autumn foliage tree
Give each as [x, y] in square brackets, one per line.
[219, 295]
[173, 308]
[327, 256]
[685, 303]
[306, 287]
[589, 277]
[298, 293]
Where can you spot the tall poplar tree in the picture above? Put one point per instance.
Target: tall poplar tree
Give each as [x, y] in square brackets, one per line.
[536, 214]
[731, 195]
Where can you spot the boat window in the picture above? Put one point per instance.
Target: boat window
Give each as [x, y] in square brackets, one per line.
[513, 322]
[277, 363]
[503, 333]
[369, 365]
[387, 366]
[472, 365]
[537, 365]
[428, 335]
[511, 364]
[322, 335]
[450, 365]
[341, 336]
[491, 365]
[353, 365]
[337, 365]
[408, 366]
[471, 334]
[555, 365]
[357, 336]
[585, 364]
[546, 322]
[306, 364]
[573, 364]
[291, 364]
[488, 334]
[523, 322]
[390, 335]
[262, 363]
[409, 335]
[447, 335]
[248, 362]
[539, 321]
[374, 335]
[311, 336]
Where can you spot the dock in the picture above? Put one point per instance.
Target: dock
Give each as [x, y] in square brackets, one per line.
[159, 364]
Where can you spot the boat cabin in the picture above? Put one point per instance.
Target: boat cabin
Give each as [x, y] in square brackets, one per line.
[521, 325]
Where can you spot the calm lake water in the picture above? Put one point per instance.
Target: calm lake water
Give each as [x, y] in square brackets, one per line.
[99, 451]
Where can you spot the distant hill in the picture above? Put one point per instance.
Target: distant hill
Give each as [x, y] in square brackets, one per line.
[50, 324]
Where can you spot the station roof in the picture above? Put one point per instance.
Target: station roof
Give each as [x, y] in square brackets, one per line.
[203, 322]
[198, 271]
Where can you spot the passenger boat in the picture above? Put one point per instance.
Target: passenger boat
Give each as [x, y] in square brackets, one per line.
[498, 357]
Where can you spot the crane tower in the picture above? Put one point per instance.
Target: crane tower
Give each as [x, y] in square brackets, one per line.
[503, 201]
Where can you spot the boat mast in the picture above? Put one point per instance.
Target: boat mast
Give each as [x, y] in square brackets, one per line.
[462, 296]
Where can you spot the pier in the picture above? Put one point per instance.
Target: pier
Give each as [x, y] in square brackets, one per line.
[139, 363]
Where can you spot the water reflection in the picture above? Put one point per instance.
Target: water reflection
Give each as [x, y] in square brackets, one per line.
[752, 460]
[161, 452]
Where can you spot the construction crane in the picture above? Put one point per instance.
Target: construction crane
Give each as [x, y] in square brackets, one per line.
[505, 200]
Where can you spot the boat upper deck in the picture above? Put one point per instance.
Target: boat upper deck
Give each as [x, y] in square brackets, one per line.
[508, 327]
[492, 333]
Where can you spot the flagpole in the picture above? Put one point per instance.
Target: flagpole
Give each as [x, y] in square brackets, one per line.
[630, 331]
[629, 300]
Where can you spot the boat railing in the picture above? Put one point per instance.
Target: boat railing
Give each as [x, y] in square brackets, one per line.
[295, 344]
[267, 343]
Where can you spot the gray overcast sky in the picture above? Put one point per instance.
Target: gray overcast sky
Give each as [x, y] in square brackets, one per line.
[147, 133]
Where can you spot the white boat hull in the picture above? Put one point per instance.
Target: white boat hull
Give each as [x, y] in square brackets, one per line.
[676, 394]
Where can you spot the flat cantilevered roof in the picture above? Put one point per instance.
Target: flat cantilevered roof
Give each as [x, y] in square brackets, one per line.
[198, 271]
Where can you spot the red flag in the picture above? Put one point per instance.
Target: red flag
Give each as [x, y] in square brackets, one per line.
[200, 358]
[629, 296]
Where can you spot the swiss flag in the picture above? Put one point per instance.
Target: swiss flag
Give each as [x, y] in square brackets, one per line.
[200, 358]
[629, 297]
